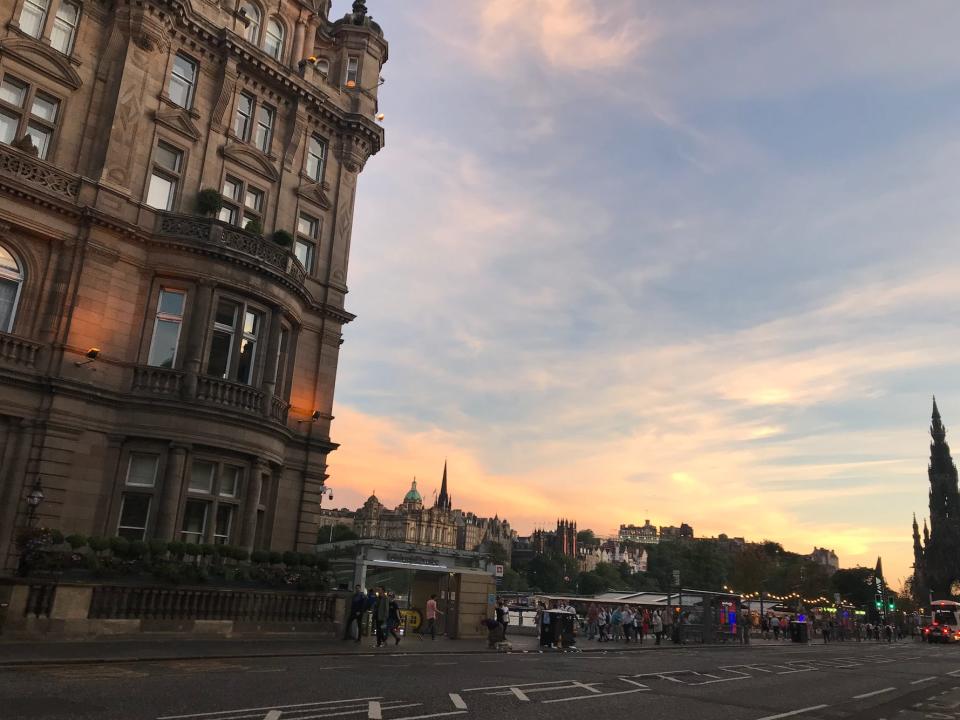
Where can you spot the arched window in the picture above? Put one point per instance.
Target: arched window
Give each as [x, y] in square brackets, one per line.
[252, 13]
[273, 39]
[11, 279]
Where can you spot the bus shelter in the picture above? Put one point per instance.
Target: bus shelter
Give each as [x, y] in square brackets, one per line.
[465, 590]
[703, 616]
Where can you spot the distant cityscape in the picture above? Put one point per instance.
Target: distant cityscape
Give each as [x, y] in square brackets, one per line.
[440, 525]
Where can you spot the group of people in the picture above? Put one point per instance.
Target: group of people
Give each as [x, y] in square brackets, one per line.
[623, 623]
[379, 609]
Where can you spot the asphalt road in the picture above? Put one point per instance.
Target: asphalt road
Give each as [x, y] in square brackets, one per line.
[844, 680]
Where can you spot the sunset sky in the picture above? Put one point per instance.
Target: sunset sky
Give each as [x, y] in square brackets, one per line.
[624, 260]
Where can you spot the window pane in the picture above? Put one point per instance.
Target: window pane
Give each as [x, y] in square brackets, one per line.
[264, 127]
[232, 188]
[315, 155]
[32, 16]
[352, 64]
[41, 138]
[201, 476]
[226, 313]
[307, 226]
[142, 469]
[304, 253]
[64, 26]
[252, 14]
[161, 193]
[230, 481]
[13, 91]
[168, 157]
[163, 350]
[245, 364]
[8, 126]
[219, 355]
[251, 323]
[171, 303]
[221, 530]
[254, 199]
[133, 516]
[241, 123]
[45, 107]
[228, 214]
[182, 79]
[273, 40]
[8, 300]
[194, 521]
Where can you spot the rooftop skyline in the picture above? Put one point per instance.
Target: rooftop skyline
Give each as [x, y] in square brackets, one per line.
[626, 260]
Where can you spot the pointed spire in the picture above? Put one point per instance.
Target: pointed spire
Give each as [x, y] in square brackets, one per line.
[443, 499]
[937, 431]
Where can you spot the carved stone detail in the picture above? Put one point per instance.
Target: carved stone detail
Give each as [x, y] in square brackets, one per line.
[38, 173]
[42, 58]
[251, 159]
[296, 136]
[227, 86]
[314, 192]
[179, 121]
[353, 151]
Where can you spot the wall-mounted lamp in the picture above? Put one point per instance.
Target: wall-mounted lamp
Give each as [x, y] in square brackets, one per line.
[91, 355]
[35, 497]
[352, 85]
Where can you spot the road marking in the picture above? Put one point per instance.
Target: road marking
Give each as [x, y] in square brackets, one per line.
[501, 687]
[519, 693]
[458, 701]
[272, 715]
[374, 712]
[875, 692]
[954, 673]
[432, 715]
[587, 687]
[593, 697]
[270, 707]
[794, 712]
[923, 680]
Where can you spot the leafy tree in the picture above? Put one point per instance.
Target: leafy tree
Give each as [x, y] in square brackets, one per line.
[586, 537]
[512, 580]
[590, 583]
[855, 585]
[497, 553]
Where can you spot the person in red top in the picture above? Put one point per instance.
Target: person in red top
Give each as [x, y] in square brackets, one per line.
[432, 616]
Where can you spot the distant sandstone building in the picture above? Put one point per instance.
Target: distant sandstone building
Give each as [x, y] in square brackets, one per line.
[439, 526]
[167, 358]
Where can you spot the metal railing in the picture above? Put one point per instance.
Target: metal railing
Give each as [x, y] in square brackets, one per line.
[156, 603]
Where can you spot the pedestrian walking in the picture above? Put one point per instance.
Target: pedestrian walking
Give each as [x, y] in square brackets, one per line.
[603, 624]
[381, 609]
[593, 614]
[626, 619]
[432, 613]
[358, 604]
[616, 620]
[745, 627]
[393, 618]
[657, 626]
[775, 625]
[501, 611]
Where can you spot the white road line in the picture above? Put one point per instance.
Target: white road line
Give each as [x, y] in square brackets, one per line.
[355, 711]
[432, 715]
[794, 712]
[955, 673]
[520, 694]
[875, 692]
[458, 701]
[591, 688]
[272, 715]
[374, 712]
[269, 707]
[502, 687]
[923, 680]
[594, 697]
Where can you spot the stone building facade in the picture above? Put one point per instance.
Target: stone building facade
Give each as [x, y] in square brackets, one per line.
[167, 362]
[439, 526]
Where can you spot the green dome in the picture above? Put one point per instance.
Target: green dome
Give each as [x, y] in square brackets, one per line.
[413, 496]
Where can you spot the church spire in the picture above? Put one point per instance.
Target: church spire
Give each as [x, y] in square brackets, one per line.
[443, 499]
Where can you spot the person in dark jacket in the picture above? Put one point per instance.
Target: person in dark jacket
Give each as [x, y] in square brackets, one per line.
[381, 610]
[393, 618]
[358, 604]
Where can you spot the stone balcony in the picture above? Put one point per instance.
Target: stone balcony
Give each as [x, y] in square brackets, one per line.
[18, 352]
[208, 235]
[213, 392]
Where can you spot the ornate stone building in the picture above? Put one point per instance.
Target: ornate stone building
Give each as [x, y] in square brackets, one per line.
[167, 358]
[562, 541]
[440, 526]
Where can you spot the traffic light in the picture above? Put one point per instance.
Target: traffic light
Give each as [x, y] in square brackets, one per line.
[879, 603]
[891, 605]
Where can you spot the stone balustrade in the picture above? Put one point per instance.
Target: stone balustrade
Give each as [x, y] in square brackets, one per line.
[229, 394]
[157, 381]
[38, 174]
[18, 351]
[212, 233]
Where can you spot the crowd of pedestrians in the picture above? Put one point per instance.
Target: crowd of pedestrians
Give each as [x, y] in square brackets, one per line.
[380, 610]
[623, 623]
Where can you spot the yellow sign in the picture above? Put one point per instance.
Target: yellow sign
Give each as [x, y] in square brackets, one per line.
[411, 618]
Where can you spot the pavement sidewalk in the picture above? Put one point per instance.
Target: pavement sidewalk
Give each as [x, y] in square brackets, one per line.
[113, 650]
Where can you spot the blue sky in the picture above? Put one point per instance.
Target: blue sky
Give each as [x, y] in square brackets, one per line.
[679, 261]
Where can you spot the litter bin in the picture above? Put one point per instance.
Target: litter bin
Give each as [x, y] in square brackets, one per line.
[799, 632]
